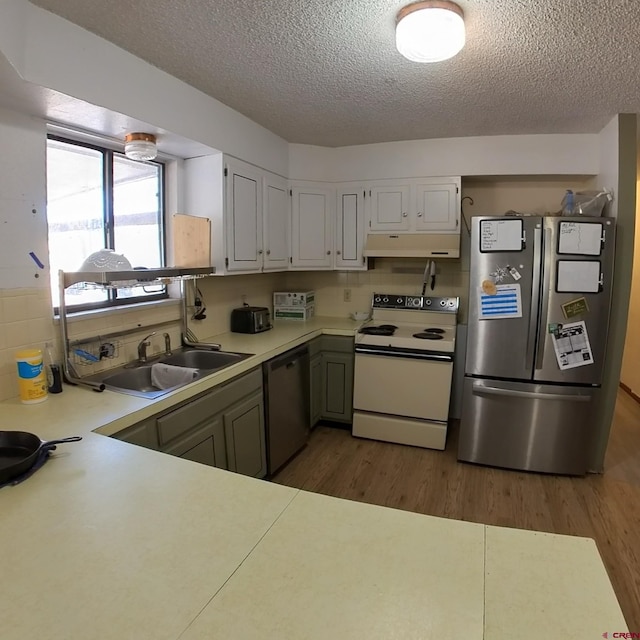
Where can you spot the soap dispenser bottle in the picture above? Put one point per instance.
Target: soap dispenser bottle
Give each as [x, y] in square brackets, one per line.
[54, 372]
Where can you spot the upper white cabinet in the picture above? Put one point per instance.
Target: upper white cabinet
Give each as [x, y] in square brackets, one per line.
[312, 211]
[350, 227]
[249, 209]
[416, 205]
[276, 223]
[390, 205]
[437, 207]
[243, 213]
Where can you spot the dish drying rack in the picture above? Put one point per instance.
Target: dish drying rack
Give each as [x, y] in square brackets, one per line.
[92, 350]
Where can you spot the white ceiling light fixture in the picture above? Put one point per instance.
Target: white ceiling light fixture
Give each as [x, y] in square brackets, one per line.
[430, 31]
[140, 146]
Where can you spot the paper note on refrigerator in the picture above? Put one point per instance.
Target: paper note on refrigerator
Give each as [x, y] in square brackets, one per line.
[506, 302]
[572, 347]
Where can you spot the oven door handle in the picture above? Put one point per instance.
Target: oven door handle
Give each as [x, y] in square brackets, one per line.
[402, 353]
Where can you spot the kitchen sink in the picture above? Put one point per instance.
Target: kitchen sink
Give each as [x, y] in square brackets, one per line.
[135, 378]
[200, 359]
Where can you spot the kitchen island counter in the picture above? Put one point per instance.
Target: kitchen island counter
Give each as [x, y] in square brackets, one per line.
[110, 540]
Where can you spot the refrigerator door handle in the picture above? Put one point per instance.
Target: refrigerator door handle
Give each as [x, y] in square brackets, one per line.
[544, 310]
[535, 300]
[480, 389]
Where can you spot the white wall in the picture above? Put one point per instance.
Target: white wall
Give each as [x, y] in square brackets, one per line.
[618, 153]
[539, 155]
[51, 52]
[23, 224]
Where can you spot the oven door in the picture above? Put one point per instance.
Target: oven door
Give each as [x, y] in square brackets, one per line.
[402, 382]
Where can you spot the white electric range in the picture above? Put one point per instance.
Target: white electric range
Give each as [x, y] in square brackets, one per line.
[403, 370]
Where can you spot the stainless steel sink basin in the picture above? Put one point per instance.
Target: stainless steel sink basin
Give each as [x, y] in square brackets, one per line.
[200, 359]
[135, 379]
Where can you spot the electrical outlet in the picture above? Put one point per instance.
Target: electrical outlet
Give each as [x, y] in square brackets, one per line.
[346, 295]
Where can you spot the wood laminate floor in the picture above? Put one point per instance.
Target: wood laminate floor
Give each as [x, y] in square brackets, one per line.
[603, 507]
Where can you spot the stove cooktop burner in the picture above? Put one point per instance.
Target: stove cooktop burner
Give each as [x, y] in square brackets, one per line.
[428, 335]
[379, 330]
[434, 330]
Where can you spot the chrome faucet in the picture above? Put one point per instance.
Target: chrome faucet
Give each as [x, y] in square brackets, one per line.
[142, 347]
[167, 344]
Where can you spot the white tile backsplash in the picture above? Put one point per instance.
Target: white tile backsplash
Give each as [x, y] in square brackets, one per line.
[26, 318]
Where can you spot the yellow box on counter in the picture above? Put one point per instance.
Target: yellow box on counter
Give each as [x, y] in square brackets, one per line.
[293, 298]
[294, 313]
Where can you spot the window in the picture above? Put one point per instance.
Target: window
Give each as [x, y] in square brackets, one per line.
[99, 199]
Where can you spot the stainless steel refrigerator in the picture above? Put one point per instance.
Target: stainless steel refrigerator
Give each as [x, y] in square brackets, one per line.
[539, 301]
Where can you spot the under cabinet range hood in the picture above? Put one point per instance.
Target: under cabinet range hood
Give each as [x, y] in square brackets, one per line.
[413, 245]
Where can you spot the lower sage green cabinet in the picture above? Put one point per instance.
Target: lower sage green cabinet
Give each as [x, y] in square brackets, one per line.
[223, 427]
[245, 437]
[331, 379]
[315, 391]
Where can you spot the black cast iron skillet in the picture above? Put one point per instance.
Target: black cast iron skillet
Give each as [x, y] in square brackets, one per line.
[19, 450]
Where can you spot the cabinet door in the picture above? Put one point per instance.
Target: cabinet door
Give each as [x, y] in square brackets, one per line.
[311, 214]
[245, 437]
[389, 207]
[315, 389]
[205, 443]
[349, 228]
[276, 223]
[243, 217]
[337, 386]
[204, 453]
[437, 207]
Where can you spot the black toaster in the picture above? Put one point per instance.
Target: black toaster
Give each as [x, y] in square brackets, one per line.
[248, 319]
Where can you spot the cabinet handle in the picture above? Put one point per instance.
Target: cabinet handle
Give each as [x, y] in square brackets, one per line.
[260, 252]
[338, 252]
[328, 253]
[404, 214]
[419, 214]
[268, 252]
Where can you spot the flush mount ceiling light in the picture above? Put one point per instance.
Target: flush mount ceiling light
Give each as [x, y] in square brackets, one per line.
[430, 31]
[140, 146]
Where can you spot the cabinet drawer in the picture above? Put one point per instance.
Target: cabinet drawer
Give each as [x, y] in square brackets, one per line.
[315, 346]
[143, 434]
[176, 423]
[340, 344]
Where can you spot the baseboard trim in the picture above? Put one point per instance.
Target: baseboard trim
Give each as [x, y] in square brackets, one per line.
[624, 387]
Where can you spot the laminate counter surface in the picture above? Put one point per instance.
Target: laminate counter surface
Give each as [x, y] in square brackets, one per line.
[113, 541]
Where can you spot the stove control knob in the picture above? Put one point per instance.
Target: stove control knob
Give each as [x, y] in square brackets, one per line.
[399, 300]
[376, 299]
[385, 299]
[428, 302]
[443, 303]
[450, 303]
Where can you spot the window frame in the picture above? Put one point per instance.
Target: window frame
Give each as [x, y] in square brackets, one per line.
[108, 153]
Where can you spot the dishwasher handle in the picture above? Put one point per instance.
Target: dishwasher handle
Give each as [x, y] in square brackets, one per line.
[289, 359]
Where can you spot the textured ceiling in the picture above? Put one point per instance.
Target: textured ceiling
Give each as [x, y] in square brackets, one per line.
[326, 72]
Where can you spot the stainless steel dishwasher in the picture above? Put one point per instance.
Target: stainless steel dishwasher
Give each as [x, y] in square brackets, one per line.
[286, 381]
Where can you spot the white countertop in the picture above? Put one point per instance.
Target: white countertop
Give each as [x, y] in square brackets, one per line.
[109, 540]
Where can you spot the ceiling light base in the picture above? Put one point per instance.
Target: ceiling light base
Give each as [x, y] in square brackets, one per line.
[430, 31]
[140, 146]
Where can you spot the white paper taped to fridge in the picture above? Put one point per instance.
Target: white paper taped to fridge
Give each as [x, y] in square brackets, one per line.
[572, 346]
[500, 235]
[580, 238]
[505, 303]
[578, 276]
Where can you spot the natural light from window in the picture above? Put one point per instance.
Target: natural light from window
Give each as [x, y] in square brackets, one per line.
[97, 199]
